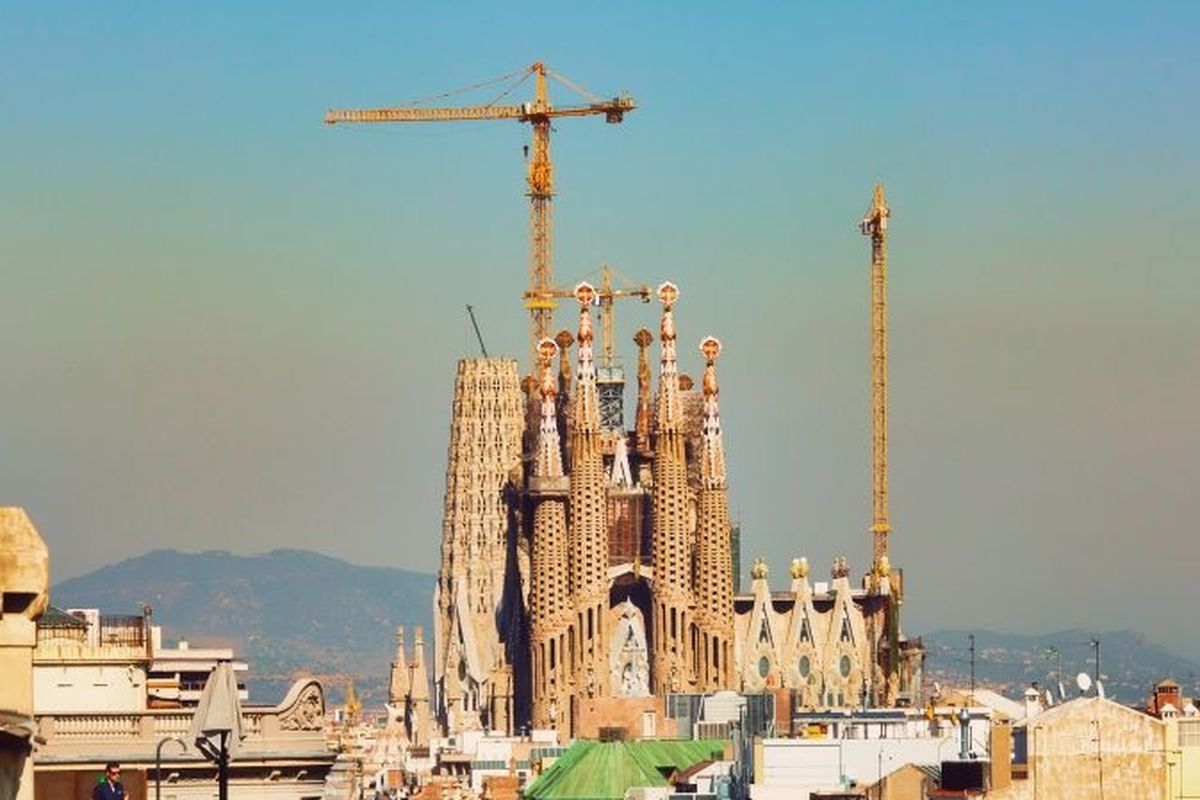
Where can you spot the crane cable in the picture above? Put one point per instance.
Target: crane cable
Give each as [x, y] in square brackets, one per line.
[565, 81]
[421, 100]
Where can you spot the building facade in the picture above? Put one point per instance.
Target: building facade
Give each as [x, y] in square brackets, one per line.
[588, 568]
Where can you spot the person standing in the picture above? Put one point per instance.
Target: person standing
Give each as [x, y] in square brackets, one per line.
[110, 788]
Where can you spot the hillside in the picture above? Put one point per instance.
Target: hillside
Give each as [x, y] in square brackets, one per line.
[286, 612]
[1010, 662]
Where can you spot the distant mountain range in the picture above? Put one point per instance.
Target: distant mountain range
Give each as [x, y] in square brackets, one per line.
[292, 612]
[287, 612]
[1009, 663]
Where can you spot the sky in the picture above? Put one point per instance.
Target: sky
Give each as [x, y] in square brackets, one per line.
[227, 325]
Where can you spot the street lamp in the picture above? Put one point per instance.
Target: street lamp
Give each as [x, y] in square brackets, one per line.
[158, 762]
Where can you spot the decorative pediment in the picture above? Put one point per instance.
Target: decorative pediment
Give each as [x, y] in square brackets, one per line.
[303, 709]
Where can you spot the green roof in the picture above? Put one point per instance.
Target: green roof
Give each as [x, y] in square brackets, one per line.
[604, 770]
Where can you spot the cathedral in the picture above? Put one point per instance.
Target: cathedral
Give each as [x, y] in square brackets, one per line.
[587, 569]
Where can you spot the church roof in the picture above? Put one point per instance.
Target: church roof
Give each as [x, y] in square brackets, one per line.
[605, 770]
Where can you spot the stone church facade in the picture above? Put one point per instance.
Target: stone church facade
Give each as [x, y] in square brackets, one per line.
[587, 568]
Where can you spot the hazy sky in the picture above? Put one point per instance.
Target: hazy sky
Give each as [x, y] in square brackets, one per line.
[228, 325]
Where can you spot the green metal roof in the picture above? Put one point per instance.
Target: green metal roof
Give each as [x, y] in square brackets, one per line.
[604, 770]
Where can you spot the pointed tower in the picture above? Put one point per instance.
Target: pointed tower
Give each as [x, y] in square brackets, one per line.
[643, 338]
[549, 590]
[398, 682]
[589, 519]
[564, 339]
[418, 695]
[670, 537]
[714, 560]
[474, 589]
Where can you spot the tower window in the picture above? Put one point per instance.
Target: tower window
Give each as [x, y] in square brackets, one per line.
[764, 667]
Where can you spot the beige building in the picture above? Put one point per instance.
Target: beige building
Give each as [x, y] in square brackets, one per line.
[105, 690]
[1090, 747]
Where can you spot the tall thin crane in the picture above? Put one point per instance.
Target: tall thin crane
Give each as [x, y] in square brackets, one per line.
[874, 224]
[540, 178]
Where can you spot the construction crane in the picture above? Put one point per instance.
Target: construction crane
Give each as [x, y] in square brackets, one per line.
[874, 224]
[605, 296]
[539, 299]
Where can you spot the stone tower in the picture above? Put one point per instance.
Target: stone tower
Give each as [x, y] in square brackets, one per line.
[549, 592]
[671, 525]
[714, 557]
[589, 521]
[478, 605]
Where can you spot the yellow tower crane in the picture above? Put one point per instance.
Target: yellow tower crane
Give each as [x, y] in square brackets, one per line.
[539, 298]
[874, 224]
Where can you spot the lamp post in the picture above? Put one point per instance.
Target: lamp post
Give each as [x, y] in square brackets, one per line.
[158, 762]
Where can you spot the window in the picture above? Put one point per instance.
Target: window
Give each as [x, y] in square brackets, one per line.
[844, 666]
[805, 666]
[764, 667]
[1189, 733]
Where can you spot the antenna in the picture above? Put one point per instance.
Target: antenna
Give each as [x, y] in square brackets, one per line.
[1100, 690]
[478, 335]
[1084, 682]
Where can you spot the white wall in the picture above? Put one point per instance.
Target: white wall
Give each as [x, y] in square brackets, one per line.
[88, 687]
[795, 767]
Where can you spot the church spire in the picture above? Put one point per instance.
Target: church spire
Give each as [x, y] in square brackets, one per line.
[670, 407]
[642, 339]
[589, 523]
[548, 463]
[714, 551]
[398, 686]
[712, 463]
[672, 537]
[587, 412]
[418, 708]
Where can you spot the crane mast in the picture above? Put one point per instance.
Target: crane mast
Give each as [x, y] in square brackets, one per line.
[540, 296]
[874, 225]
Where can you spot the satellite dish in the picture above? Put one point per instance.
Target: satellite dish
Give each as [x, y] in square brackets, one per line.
[937, 689]
[1084, 682]
[1049, 699]
[1100, 690]
[1062, 691]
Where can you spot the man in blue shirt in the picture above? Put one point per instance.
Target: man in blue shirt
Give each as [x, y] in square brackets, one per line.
[111, 787]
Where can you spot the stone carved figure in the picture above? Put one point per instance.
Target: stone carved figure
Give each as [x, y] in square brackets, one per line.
[629, 662]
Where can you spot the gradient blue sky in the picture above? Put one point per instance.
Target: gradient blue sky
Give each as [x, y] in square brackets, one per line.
[227, 325]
